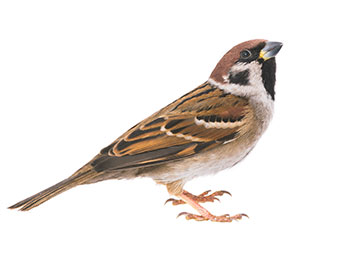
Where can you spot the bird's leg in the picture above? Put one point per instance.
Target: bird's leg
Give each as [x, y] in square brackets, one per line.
[203, 197]
[205, 214]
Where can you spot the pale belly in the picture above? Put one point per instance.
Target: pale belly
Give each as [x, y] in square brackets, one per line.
[207, 163]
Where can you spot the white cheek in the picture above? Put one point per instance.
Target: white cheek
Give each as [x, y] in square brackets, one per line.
[255, 86]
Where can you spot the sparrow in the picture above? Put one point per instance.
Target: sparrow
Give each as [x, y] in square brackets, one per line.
[209, 129]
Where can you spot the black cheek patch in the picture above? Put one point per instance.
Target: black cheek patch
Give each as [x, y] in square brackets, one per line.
[240, 78]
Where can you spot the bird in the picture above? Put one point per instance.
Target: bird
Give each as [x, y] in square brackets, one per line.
[207, 130]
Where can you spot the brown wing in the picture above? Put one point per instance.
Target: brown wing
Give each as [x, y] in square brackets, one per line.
[202, 119]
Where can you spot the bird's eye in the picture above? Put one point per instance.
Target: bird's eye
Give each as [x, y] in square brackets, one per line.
[245, 54]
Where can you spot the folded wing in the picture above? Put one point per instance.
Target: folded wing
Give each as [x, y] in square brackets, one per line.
[199, 121]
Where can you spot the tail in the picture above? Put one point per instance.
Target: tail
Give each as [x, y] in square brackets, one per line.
[41, 197]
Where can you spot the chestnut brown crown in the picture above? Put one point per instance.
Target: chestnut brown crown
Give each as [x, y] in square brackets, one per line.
[231, 57]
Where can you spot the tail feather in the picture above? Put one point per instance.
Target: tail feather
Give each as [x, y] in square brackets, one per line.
[52, 191]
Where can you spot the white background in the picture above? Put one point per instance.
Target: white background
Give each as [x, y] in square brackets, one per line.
[74, 75]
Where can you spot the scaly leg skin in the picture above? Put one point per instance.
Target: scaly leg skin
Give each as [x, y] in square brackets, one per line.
[203, 197]
[205, 214]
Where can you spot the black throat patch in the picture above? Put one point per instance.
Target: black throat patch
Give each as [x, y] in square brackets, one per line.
[240, 78]
[269, 76]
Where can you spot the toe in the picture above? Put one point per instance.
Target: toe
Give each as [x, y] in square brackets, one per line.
[189, 216]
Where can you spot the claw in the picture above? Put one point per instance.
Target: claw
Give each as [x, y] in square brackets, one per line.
[221, 193]
[204, 193]
[226, 192]
[168, 200]
[182, 213]
[175, 202]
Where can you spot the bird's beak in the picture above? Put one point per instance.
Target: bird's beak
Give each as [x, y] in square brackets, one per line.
[270, 50]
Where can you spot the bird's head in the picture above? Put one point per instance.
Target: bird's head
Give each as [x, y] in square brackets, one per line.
[247, 65]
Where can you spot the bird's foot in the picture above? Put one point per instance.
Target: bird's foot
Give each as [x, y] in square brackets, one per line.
[193, 201]
[203, 197]
[209, 216]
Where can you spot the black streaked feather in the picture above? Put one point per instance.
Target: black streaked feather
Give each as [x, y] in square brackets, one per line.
[173, 123]
[105, 162]
[195, 96]
[155, 121]
[224, 94]
[178, 130]
[139, 132]
[239, 118]
[212, 118]
[107, 149]
[202, 146]
[227, 137]
[188, 93]
[124, 144]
